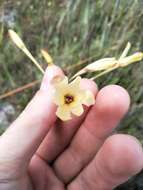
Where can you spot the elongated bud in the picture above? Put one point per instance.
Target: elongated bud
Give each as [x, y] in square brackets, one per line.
[20, 44]
[131, 59]
[102, 64]
[126, 50]
[16, 39]
[47, 57]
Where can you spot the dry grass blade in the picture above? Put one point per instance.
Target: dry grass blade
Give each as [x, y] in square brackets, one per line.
[20, 89]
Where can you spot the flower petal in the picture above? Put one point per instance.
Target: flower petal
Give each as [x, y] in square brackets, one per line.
[75, 85]
[64, 81]
[88, 98]
[78, 110]
[59, 82]
[63, 112]
[61, 87]
[58, 98]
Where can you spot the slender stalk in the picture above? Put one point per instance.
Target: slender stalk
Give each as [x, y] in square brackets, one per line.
[104, 72]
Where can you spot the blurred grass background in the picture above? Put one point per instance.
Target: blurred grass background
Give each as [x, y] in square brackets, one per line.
[72, 31]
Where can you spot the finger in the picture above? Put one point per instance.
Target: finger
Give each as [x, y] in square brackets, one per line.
[111, 104]
[59, 136]
[45, 179]
[21, 140]
[120, 157]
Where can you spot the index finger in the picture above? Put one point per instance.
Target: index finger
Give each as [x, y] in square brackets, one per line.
[21, 140]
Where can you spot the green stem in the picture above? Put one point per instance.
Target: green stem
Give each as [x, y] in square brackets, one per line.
[104, 72]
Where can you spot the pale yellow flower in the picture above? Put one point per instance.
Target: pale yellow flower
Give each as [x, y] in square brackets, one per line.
[69, 97]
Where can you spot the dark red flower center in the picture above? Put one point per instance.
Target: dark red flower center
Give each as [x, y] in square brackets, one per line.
[68, 99]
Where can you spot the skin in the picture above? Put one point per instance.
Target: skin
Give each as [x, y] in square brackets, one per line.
[40, 152]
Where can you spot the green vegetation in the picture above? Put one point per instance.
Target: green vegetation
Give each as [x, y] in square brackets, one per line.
[73, 31]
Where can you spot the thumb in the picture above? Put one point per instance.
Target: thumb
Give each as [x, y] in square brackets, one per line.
[21, 140]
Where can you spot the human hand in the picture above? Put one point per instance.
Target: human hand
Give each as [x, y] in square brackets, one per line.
[39, 152]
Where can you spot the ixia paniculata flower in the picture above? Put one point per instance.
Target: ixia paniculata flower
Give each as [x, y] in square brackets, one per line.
[70, 98]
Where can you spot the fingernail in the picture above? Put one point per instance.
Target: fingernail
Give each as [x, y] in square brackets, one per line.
[56, 79]
[51, 73]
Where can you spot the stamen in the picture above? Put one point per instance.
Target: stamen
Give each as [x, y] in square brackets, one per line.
[68, 98]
